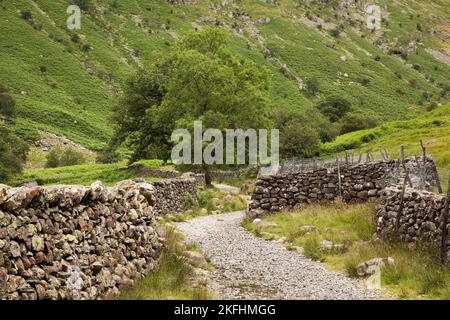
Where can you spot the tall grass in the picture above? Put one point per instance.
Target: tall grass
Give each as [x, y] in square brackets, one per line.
[416, 273]
[172, 278]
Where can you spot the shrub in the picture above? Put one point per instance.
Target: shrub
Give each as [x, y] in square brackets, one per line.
[335, 33]
[84, 5]
[26, 15]
[354, 122]
[334, 107]
[86, 47]
[59, 157]
[13, 152]
[7, 105]
[364, 81]
[75, 38]
[108, 155]
[312, 86]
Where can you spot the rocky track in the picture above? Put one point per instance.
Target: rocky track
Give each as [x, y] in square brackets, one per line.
[247, 267]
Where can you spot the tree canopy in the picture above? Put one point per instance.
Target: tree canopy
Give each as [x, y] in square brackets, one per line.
[334, 107]
[201, 80]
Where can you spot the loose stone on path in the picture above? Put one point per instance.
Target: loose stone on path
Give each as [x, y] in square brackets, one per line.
[248, 267]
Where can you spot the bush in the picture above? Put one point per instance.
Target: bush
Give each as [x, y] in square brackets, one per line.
[334, 107]
[108, 155]
[335, 33]
[84, 5]
[364, 81]
[7, 105]
[59, 157]
[75, 38]
[301, 133]
[312, 86]
[26, 15]
[86, 47]
[355, 121]
[13, 152]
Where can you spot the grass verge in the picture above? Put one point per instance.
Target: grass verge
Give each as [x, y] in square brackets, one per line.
[173, 277]
[416, 273]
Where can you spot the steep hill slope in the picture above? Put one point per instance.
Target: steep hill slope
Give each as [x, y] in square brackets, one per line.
[433, 128]
[65, 82]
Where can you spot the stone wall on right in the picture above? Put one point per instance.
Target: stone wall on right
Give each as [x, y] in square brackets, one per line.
[421, 218]
[354, 183]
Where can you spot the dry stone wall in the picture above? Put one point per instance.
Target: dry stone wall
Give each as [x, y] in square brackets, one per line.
[171, 195]
[359, 182]
[74, 242]
[421, 218]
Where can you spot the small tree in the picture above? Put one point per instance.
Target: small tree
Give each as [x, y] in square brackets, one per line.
[334, 107]
[7, 105]
[312, 86]
[355, 121]
[26, 15]
[13, 152]
[59, 157]
[301, 132]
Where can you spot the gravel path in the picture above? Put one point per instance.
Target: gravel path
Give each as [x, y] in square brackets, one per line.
[226, 188]
[248, 267]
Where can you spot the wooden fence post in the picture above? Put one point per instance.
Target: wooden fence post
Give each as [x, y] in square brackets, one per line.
[444, 230]
[402, 201]
[339, 176]
[438, 179]
[424, 151]
[402, 153]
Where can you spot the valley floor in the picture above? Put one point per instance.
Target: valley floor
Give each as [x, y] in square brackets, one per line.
[248, 267]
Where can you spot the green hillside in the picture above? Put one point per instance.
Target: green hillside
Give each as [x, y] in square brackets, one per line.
[433, 128]
[66, 82]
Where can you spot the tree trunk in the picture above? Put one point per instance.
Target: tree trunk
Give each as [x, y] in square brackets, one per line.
[207, 174]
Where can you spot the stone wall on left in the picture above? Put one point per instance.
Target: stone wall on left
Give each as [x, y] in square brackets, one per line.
[74, 242]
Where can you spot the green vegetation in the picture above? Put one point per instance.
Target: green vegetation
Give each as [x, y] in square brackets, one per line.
[199, 81]
[210, 201]
[172, 279]
[13, 150]
[65, 82]
[302, 133]
[59, 157]
[109, 174]
[416, 272]
[433, 128]
[334, 107]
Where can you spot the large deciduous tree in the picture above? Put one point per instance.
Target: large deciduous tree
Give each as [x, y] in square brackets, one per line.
[201, 80]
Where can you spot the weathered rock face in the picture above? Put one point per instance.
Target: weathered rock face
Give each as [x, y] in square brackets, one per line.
[359, 183]
[74, 242]
[420, 220]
